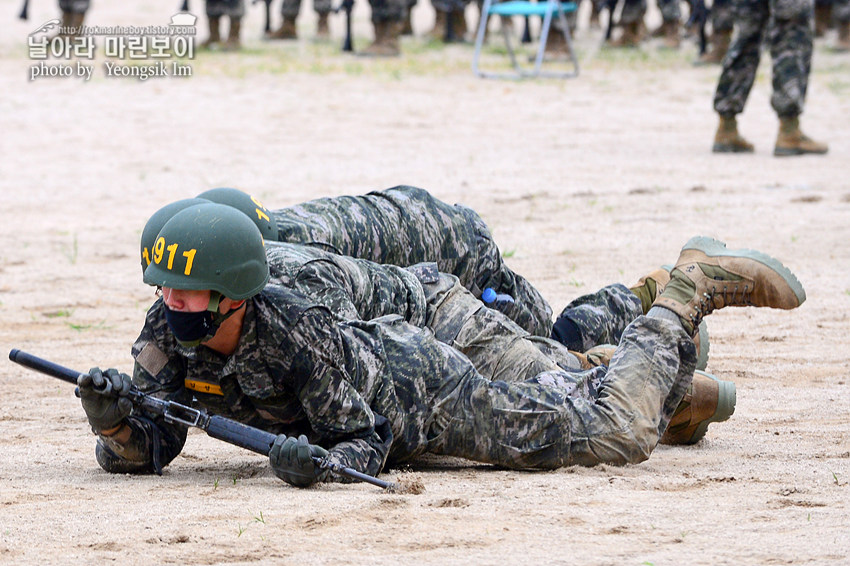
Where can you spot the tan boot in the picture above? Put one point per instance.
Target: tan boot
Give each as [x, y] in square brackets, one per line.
[386, 42]
[630, 37]
[708, 400]
[791, 141]
[649, 287]
[707, 276]
[215, 33]
[233, 43]
[323, 30]
[672, 38]
[823, 15]
[556, 48]
[459, 26]
[728, 140]
[439, 30]
[843, 43]
[718, 46]
[77, 24]
[286, 30]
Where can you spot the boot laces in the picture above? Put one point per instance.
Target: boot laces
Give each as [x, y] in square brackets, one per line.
[727, 295]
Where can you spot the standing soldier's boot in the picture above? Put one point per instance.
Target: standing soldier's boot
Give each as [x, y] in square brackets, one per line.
[233, 43]
[630, 36]
[215, 32]
[323, 31]
[672, 40]
[285, 31]
[791, 141]
[708, 276]
[439, 31]
[718, 46]
[843, 37]
[708, 400]
[823, 13]
[407, 27]
[556, 48]
[459, 26]
[728, 140]
[386, 42]
[77, 23]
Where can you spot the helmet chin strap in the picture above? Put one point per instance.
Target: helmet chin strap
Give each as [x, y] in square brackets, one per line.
[215, 301]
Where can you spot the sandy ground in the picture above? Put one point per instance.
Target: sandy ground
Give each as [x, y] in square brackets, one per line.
[584, 182]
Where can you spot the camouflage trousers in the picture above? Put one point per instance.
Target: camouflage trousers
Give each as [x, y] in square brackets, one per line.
[788, 26]
[670, 11]
[633, 11]
[547, 422]
[388, 10]
[406, 225]
[290, 8]
[230, 8]
[721, 16]
[74, 6]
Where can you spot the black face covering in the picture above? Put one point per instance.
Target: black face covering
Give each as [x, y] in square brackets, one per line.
[190, 328]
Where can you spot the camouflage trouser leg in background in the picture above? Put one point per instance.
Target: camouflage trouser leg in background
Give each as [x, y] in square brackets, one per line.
[670, 11]
[537, 425]
[841, 10]
[602, 317]
[388, 10]
[633, 11]
[721, 16]
[74, 6]
[790, 42]
[230, 8]
[406, 225]
[291, 8]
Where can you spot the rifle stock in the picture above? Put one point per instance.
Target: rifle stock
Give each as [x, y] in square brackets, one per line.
[220, 428]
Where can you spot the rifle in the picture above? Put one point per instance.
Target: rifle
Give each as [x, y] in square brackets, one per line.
[268, 26]
[699, 16]
[25, 10]
[346, 5]
[220, 428]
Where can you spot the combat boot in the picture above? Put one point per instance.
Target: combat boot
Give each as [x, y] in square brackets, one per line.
[672, 39]
[707, 276]
[323, 31]
[77, 24]
[286, 30]
[791, 141]
[843, 43]
[718, 46]
[649, 287]
[459, 27]
[728, 140]
[233, 43]
[215, 32]
[708, 400]
[407, 26]
[557, 48]
[439, 30]
[386, 42]
[630, 36]
[823, 14]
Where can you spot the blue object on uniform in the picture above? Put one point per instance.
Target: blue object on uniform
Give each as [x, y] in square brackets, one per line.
[489, 296]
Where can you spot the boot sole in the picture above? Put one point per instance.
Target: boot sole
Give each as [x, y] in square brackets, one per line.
[727, 148]
[726, 400]
[790, 151]
[715, 248]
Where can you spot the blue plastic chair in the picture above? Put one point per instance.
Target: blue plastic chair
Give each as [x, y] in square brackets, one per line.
[547, 9]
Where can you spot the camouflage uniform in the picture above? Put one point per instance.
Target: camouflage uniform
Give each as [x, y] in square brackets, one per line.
[382, 392]
[406, 225]
[633, 11]
[670, 11]
[230, 8]
[388, 10]
[74, 6]
[721, 17]
[291, 8]
[788, 24]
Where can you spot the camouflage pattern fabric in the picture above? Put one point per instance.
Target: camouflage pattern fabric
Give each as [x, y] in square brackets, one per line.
[670, 11]
[721, 16]
[74, 6]
[388, 10]
[841, 10]
[406, 225]
[230, 8]
[602, 317]
[633, 11]
[383, 391]
[788, 25]
[291, 8]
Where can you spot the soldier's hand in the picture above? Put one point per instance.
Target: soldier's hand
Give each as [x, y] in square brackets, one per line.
[103, 395]
[292, 460]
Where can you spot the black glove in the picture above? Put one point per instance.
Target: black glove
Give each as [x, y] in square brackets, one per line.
[103, 395]
[292, 460]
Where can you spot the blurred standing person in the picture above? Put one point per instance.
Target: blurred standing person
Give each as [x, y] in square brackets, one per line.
[289, 11]
[788, 27]
[216, 10]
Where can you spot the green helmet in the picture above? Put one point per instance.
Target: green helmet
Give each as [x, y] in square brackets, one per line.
[157, 221]
[249, 205]
[209, 246]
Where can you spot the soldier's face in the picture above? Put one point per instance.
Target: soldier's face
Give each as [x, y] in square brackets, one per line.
[182, 300]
